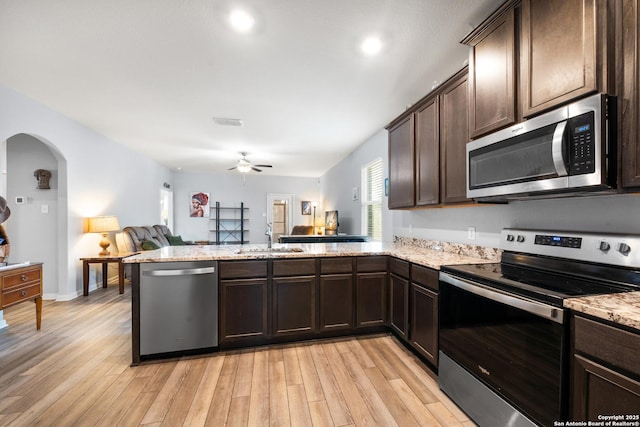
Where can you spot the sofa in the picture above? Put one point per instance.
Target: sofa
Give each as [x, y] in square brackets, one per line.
[141, 238]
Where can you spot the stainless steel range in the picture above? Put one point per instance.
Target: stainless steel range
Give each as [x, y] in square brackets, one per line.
[504, 335]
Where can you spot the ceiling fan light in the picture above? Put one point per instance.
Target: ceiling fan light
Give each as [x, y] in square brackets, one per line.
[244, 166]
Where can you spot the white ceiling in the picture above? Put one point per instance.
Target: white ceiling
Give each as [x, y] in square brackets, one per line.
[151, 74]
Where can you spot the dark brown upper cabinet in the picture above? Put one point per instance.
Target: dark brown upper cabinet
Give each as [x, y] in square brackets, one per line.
[531, 56]
[401, 172]
[628, 82]
[454, 135]
[563, 46]
[492, 74]
[427, 148]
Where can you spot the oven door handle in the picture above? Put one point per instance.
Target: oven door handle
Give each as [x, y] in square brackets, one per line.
[549, 312]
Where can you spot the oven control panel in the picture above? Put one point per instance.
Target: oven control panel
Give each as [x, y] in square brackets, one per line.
[615, 249]
[558, 240]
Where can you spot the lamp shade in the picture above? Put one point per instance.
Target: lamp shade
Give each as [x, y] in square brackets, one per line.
[102, 224]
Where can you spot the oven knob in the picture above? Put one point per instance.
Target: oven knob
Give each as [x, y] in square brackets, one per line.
[623, 248]
[520, 238]
[604, 246]
[510, 238]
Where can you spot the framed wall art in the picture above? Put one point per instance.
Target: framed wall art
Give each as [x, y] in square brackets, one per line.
[306, 207]
[199, 205]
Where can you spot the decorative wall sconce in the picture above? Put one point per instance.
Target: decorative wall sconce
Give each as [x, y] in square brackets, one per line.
[43, 176]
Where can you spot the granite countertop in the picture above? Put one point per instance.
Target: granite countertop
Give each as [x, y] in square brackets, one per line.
[622, 308]
[432, 256]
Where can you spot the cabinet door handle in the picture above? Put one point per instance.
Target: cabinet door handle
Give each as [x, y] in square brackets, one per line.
[23, 277]
[23, 293]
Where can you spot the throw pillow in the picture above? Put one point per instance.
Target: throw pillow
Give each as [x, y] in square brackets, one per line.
[175, 240]
[148, 245]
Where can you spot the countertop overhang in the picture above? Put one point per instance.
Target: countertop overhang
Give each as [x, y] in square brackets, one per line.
[426, 257]
[622, 308]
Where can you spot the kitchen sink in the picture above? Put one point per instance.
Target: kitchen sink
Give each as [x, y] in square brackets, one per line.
[268, 250]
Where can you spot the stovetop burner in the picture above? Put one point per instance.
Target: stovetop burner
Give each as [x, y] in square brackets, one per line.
[544, 286]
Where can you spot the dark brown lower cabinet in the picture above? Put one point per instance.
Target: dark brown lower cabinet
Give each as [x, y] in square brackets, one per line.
[399, 306]
[601, 390]
[336, 302]
[424, 312]
[399, 297]
[424, 322]
[294, 305]
[263, 301]
[371, 299]
[243, 309]
[606, 371]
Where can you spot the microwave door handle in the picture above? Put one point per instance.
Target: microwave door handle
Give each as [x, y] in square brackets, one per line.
[557, 149]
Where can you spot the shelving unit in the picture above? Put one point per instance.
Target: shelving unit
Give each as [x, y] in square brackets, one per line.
[229, 224]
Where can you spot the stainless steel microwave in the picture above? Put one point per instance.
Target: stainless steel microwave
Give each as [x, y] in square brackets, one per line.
[567, 151]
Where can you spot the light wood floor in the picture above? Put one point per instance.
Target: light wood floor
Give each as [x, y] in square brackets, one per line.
[76, 371]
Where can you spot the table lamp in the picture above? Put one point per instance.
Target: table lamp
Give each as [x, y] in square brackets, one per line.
[102, 225]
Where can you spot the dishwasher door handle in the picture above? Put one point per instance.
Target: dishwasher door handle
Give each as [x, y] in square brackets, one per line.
[180, 272]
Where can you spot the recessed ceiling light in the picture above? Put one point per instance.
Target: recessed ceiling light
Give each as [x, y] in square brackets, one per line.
[241, 20]
[371, 45]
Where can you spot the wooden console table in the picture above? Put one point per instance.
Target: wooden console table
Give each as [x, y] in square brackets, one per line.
[104, 260]
[21, 284]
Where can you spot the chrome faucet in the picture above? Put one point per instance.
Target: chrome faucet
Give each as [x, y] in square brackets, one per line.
[269, 234]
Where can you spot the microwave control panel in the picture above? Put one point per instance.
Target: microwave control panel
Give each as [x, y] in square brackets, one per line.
[581, 144]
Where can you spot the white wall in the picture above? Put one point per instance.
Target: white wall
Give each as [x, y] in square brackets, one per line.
[602, 213]
[231, 190]
[338, 182]
[96, 176]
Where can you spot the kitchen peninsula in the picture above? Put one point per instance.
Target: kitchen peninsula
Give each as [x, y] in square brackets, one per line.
[305, 291]
[309, 291]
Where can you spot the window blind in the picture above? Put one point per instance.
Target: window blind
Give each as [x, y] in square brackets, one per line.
[372, 190]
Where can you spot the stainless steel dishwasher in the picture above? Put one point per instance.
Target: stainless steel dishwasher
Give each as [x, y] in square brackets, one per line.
[178, 306]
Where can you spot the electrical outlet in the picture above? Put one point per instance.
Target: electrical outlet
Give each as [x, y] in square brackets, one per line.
[471, 233]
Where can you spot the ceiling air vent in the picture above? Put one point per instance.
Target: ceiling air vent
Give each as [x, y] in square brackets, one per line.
[227, 122]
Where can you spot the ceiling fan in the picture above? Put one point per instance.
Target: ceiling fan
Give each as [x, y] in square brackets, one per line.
[245, 166]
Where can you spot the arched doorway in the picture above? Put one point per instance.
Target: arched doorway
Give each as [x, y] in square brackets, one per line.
[37, 227]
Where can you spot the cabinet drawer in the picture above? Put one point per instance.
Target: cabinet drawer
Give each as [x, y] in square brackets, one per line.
[371, 264]
[399, 267]
[19, 294]
[294, 267]
[20, 278]
[424, 276]
[607, 343]
[242, 269]
[336, 265]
